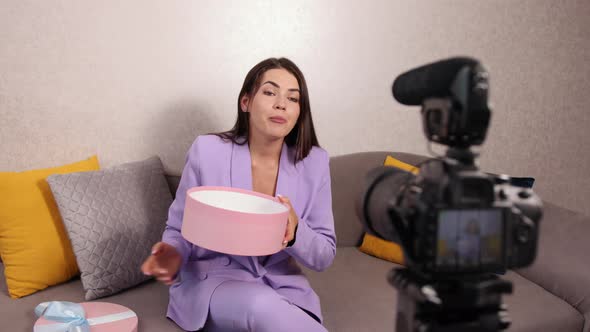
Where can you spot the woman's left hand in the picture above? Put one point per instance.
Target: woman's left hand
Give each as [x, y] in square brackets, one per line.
[291, 224]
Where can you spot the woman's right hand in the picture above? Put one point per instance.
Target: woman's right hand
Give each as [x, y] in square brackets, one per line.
[163, 263]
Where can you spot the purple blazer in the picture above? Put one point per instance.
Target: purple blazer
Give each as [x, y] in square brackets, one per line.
[214, 162]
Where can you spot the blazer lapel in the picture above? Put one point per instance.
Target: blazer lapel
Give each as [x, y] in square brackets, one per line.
[287, 178]
[241, 171]
[241, 177]
[287, 185]
[241, 167]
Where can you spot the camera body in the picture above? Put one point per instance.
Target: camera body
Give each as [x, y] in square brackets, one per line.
[453, 219]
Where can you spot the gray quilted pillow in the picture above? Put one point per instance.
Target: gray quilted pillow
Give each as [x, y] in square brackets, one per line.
[113, 217]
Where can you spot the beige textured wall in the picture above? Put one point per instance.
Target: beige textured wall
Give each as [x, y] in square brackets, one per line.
[129, 79]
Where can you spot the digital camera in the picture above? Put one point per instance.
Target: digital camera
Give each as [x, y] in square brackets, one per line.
[452, 219]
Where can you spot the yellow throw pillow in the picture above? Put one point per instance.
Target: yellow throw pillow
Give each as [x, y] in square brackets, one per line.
[35, 248]
[390, 161]
[380, 248]
[383, 249]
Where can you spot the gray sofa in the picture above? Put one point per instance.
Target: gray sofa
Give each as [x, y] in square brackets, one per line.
[551, 295]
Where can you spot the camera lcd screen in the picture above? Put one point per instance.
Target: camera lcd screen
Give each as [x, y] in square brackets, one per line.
[469, 239]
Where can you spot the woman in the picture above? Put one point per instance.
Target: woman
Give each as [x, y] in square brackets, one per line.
[271, 149]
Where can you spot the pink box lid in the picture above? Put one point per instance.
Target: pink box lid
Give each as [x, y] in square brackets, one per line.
[101, 316]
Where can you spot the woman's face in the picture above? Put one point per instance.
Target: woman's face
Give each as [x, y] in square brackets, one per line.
[274, 109]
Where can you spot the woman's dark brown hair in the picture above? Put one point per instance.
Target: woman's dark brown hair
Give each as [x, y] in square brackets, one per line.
[302, 136]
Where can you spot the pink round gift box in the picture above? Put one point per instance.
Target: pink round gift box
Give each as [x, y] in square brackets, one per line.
[234, 221]
[102, 317]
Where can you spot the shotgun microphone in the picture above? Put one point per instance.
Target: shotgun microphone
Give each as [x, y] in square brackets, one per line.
[431, 80]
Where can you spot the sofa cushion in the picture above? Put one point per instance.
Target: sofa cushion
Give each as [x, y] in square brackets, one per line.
[355, 296]
[33, 242]
[113, 218]
[354, 292]
[533, 309]
[148, 300]
[561, 266]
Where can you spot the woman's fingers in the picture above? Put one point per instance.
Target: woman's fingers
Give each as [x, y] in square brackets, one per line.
[147, 266]
[145, 271]
[157, 264]
[164, 275]
[164, 278]
[150, 264]
[286, 238]
[285, 200]
[292, 221]
[157, 248]
[153, 268]
[289, 234]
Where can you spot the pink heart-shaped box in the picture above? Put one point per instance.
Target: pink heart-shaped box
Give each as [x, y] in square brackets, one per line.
[234, 221]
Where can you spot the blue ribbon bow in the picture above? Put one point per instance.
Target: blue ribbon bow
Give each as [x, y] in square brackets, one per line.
[71, 316]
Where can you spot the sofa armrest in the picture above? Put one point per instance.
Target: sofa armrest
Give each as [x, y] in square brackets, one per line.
[562, 266]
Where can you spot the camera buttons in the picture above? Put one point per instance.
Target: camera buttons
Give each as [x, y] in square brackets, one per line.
[523, 233]
[524, 194]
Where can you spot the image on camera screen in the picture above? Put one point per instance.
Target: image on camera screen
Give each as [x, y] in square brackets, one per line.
[469, 238]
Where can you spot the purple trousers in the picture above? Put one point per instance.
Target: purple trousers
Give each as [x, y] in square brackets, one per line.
[251, 306]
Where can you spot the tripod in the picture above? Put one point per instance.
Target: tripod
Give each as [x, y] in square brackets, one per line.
[471, 304]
